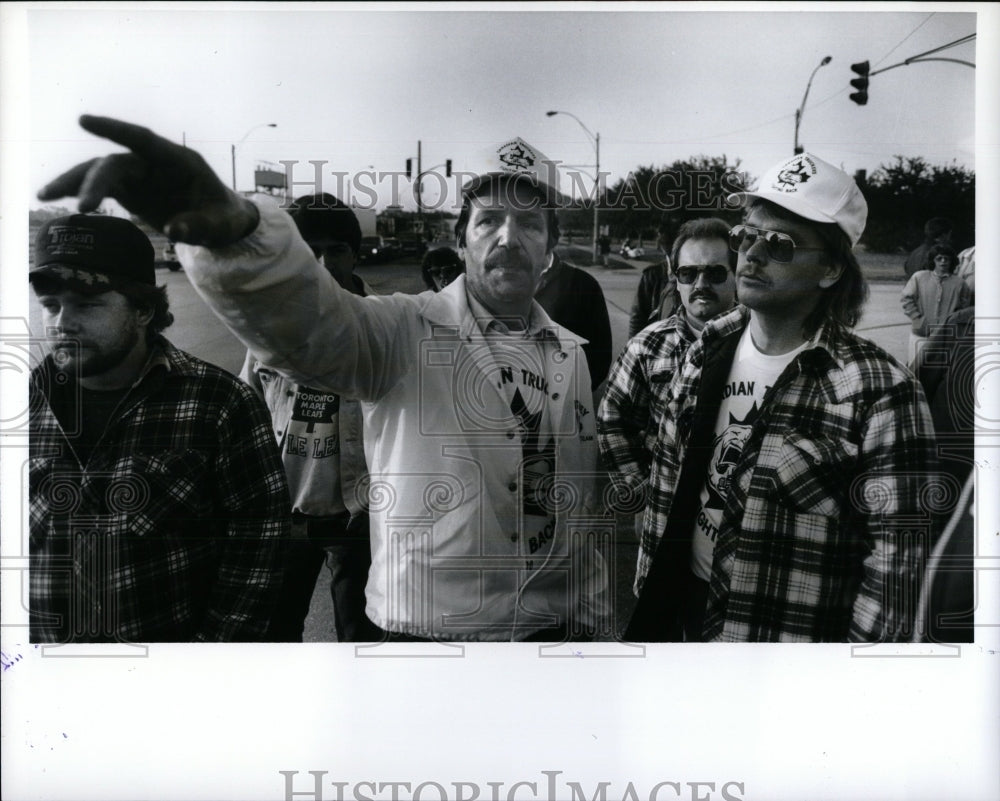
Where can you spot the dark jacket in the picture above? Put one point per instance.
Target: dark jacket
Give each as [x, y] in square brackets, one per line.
[574, 299]
[655, 297]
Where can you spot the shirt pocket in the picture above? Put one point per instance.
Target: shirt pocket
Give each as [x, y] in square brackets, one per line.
[163, 491]
[814, 473]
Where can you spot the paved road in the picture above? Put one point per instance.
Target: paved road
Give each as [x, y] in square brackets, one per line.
[198, 331]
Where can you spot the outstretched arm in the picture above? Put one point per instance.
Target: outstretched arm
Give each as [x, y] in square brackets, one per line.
[252, 268]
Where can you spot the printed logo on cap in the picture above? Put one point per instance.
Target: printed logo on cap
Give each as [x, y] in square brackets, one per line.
[516, 155]
[797, 171]
[80, 276]
[65, 240]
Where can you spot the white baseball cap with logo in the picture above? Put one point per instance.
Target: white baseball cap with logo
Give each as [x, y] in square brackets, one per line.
[516, 158]
[812, 188]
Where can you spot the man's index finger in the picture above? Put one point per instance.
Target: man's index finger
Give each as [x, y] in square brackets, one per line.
[140, 140]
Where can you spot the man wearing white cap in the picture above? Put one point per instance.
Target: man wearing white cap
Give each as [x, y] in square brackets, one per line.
[792, 454]
[478, 426]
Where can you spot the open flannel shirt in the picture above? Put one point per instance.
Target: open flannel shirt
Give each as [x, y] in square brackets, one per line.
[176, 527]
[823, 534]
[628, 418]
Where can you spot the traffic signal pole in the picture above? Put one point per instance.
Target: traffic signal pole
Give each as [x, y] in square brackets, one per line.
[862, 67]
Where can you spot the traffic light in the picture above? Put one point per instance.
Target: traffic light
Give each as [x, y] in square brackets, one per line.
[409, 167]
[447, 168]
[860, 83]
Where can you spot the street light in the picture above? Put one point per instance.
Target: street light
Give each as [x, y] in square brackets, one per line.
[232, 148]
[596, 139]
[801, 109]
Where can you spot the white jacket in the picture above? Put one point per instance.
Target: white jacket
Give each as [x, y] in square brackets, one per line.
[448, 556]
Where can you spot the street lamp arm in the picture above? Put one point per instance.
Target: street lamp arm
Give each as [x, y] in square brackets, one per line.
[595, 140]
[586, 130]
[262, 125]
[805, 96]
[802, 108]
[232, 148]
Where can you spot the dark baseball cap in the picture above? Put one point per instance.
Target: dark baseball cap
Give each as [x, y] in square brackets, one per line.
[93, 251]
[322, 218]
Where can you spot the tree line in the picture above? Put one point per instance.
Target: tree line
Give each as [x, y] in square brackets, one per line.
[654, 200]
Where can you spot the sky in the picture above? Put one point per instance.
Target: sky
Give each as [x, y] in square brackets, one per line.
[357, 87]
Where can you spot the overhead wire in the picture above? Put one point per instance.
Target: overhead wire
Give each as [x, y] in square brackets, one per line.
[839, 92]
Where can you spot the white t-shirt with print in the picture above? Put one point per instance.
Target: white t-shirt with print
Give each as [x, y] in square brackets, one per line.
[520, 377]
[751, 375]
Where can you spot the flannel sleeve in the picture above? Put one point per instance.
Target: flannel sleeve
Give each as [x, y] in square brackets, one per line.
[623, 417]
[896, 486]
[253, 497]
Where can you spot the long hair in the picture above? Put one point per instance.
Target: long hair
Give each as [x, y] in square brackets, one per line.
[840, 305]
[943, 250]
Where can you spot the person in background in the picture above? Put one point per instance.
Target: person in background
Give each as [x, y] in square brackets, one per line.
[932, 295]
[440, 267]
[656, 295]
[159, 508]
[788, 447]
[937, 231]
[573, 298]
[320, 437]
[629, 414]
[604, 247]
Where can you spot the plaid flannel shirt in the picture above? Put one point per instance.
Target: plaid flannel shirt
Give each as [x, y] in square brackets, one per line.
[629, 415]
[175, 529]
[824, 532]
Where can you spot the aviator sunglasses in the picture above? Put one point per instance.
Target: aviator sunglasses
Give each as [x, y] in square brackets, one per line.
[780, 247]
[714, 273]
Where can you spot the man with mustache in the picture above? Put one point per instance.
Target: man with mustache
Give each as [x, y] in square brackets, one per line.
[791, 455]
[478, 426]
[629, 415]
[159, 508]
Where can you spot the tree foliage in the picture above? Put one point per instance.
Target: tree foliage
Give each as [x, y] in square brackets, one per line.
[906, 193]
[38, 216]
[653, 200]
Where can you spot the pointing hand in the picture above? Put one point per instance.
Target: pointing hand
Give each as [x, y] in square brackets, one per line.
[170, 187]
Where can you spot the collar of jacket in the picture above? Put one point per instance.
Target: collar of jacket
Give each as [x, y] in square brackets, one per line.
[678, 321]
[450, 309]
[825, 348]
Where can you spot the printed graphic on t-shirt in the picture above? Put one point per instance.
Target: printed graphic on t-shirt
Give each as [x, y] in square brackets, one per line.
[750, 378]
[312, 430]
[728, 447]
[539, 459]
